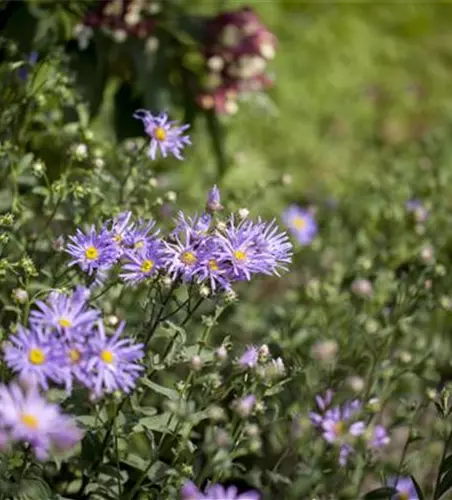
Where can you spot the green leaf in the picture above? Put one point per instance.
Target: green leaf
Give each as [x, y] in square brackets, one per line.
[385, 493]
[163, 423]
[33, 489]
[164, 391]
[445, 465]
[444, 485]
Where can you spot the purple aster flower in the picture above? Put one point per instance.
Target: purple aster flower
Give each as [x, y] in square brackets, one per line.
[238, 246]
[213, 200]
[301, 224]
[416, 207]
[181, 256]
[195, 228]
[141, 235]
[215, 492]
[92, 251]
[141, 265]
[74, 364]
[34, 356]
[165, 135]
[405, 487]
[379, 438]
[28, 417]
[113, 362]
[66, 313]
[270, 241]
[249, 358]
[211, 268]
[119, 228]
[219, 492]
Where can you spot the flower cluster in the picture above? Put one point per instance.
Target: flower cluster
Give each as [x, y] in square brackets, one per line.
[237, 49]
[67, 343]
[215, 492]
[122, 18]
[340, 426]
[25, 416]
[197, 250]
[259, 359]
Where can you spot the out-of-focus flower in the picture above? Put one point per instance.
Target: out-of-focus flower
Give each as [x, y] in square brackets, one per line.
[245, 405]
[362, 288]
[417, 209]
[214, 200]
[28, 417]
[249, 358]
[165, 135]
[405, 487]
[301, 224]
[215, 492]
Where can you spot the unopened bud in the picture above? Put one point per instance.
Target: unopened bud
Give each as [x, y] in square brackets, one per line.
[355, 383]
[325, 350]
[362, 288]
[221, 353]
[204, 291]
[112, 320]
[20, 295]
[196, 363]
[243, 213]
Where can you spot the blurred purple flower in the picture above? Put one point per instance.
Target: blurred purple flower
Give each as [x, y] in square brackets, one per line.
[417, 208]
[213, 200]
[215, 492]
[165, 135]
[249, 358]
[405, 487]
[301, 224]
[28, 417]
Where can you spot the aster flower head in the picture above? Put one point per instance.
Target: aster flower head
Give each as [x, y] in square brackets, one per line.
[65, 313]
[249, 358]
[194, 228]
[166, 136]
[76, 354]
[213, 200]
[379, 437]
[113, 364]
[245, 405]
[141, 235]
[119, 227]
[405, 487]
[190, 491]
[301, 224]
[142, 264]
[237, 245]
[269, 240]
[28, 417]
[92, 251]
[34, 356]
[417, 208]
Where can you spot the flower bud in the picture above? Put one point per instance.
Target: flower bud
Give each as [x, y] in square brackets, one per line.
[243, 213]
[196, 363]
[20, 295]
[355, 383]
[362, 288]
[325, 350]
[245, 405]
[204, 291]
[221, 353]
[264, 352]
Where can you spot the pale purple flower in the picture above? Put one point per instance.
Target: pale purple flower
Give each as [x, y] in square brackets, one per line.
[34, 356]
[113, 363]
[417, 208]
[249, 358]
[215, 492]
[245, 405]
[405, 487]
[141, 264]
[166, 136]
[141, 235]
[74, 361]
[301, 224]
[195, 228]
[119, 228]
[181, 256]
[66, 313]
[380, 437]
[92, 251]
[29, 418]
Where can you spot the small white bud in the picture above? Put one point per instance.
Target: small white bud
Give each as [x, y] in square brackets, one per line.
[243, 213]
[112, 320]
[355, 383]
[204, 291]
[196, 363]
[20, 295]
[362, 288]
[81, 151]
[171, 196]
[221, 353]
[215, 63]
[264, 352]
[324, 350]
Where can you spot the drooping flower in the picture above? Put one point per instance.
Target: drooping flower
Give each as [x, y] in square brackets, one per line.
[141, 265]
[92, 251]
[28, 417]
[216, 492]
[301, 224]
[66, 313]
[165, 135]
[405, 487]
[34, 356]
[213, 200]
[113, 363]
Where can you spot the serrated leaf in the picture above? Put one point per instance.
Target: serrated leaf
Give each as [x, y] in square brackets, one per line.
[384, 493]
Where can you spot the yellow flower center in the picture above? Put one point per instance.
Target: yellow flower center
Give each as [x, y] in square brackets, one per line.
[188, 258]
[91, 253]
[299, 222]
[107, 357]
[118, 238]
[30, 421]
[160, 134]
[213, 265]
[36, 356]
[403, 495]
[339, 428]
[74, 355]
[64, 323]
[139, 244]
[147, 266]
[239, 255]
